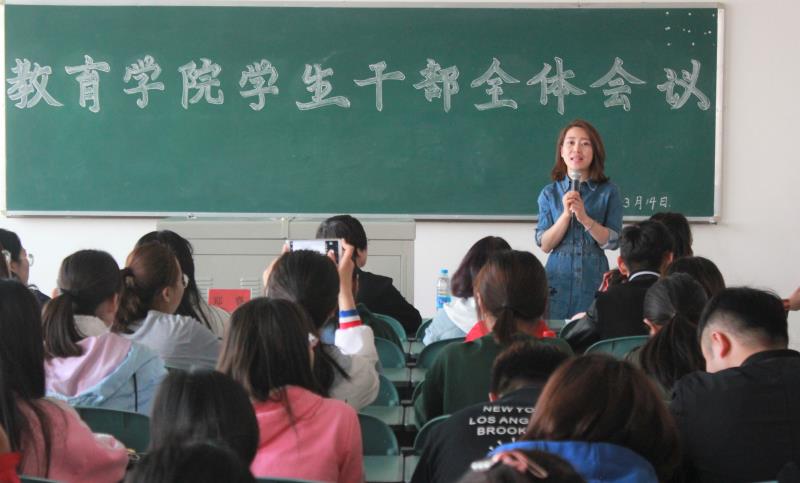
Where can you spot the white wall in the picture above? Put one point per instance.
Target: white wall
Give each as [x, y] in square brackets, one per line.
[757, 242]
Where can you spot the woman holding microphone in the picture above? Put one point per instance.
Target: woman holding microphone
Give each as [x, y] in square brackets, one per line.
[580, 215]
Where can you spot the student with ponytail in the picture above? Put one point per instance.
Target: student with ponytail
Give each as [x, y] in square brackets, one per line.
[672, 307]
[50, 435]
[152, 290]
[511, 294]
[86, 365]
[346, 369]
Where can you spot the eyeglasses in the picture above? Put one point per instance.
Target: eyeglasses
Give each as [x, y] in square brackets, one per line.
[7, 256]
[313, 340]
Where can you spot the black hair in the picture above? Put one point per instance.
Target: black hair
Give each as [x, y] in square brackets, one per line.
[87, 278]
[22, 375]
[473, 261]
[557, 469]
[524, 362]
[750, 313]
[701, 269]
[675, 303]
[184, 252]
[198, 462]
[678, 226]
[513, 289]
[344, 226]
[311, 280]
[267, 349]
[11, 242]
[644, 245]
[203, 406]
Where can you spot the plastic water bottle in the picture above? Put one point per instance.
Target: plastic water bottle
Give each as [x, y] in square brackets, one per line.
[442, 289]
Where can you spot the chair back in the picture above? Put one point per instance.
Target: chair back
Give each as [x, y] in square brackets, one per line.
[422, 328]
[422, 436]
[387, 393]
[377, 438]
[389, 354]
[131, 429]
[429, 353]
[396, 326]
[618, 347]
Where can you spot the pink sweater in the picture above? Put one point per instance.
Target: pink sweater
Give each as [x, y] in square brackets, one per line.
[323, 444]
[76, 454]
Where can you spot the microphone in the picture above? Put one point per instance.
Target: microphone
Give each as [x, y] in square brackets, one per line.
[574, 183]
[574, 180]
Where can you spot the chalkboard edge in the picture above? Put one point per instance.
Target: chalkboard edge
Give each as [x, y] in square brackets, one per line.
[367, 4]
[712, 220]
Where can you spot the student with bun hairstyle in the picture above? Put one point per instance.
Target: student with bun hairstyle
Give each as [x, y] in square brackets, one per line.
[681, 232]
[460, 315]
[152, 290]
[672, 307]
[607, 419]
[345, 370]
[511, 293]
[87, 365]
[269, 350]
[192, 304]
[50, 435]
[203, 406]
[645, 252]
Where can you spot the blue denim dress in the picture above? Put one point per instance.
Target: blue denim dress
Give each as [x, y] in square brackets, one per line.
[576, 266]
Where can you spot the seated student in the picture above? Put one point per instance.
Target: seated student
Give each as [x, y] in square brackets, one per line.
[196, 462]
[607, 419]
[152, 290]
[53, 440]
[523, 467]
[375, 291]
[681, 232]
[511, 290]
[19, 262]
[518, 375]
[703, 270]
[347, 369]
[460, 315]
[672, 308]
[645, 250]
[678, 226]
[269, 349]
[86, 365]
[739, 421]
[204, 406]
[192, 304]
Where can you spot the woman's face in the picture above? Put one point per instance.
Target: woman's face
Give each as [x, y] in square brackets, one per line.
[177, 293]
[21, 268]
[577, 151]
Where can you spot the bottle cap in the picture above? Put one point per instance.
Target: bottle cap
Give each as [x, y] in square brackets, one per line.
[443, 271]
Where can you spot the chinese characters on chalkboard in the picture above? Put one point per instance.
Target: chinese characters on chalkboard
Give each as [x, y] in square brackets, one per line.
[259, 79]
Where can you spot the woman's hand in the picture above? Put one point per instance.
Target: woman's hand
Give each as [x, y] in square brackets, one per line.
[573, 203]
[345, 266]
[268, 270]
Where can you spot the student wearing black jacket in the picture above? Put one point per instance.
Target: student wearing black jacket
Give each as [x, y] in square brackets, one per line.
[375, 291]
[645, 251]
[740, 421]
[518, 375]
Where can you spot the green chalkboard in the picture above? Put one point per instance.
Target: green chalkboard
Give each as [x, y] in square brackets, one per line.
[78, 143]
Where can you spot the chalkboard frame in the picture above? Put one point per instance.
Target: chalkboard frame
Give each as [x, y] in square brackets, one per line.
[718, 108]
